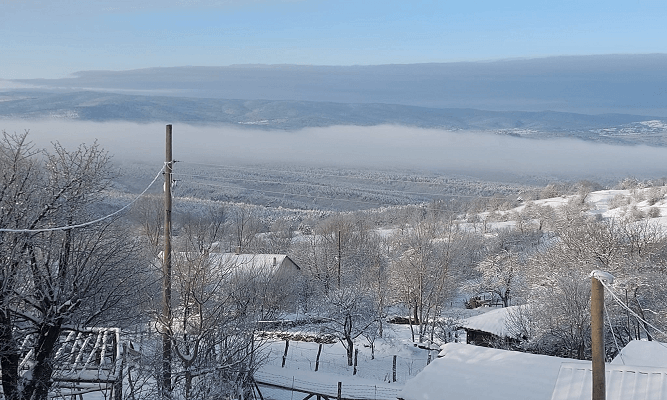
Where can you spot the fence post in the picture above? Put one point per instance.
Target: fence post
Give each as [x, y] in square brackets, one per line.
[340, 390]
[394, 370]
[317, 360]
[285, 355]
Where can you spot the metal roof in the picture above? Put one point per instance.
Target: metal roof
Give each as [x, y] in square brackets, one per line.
[623, 382]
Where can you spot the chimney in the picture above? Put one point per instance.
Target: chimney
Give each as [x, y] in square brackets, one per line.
[238, 250]
[274, 261]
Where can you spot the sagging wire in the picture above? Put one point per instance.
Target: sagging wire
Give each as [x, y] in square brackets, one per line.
[622, 304]
[82, 225]
[611, 328]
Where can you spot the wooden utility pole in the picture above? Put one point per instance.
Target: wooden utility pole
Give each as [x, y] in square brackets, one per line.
[597, 333]
[338, 259]
[166, 272]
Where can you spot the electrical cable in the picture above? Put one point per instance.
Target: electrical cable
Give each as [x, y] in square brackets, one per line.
[68, 227]
[611, 328]
[619, 301]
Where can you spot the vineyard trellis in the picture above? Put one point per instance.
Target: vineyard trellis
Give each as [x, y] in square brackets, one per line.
[88, 360]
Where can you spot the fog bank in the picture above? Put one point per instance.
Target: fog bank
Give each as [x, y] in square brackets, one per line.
[380, 147]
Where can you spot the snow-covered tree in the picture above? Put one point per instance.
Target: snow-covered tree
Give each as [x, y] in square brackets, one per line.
[349, 312]
[53, 279]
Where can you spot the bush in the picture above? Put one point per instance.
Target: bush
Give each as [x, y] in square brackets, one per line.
[653, 212]
[619, 200]
[654, 195]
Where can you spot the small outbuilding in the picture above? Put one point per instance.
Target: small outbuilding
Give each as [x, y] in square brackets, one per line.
[491, 328]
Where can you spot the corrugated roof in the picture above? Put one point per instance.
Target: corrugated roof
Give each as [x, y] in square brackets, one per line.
[623, 382]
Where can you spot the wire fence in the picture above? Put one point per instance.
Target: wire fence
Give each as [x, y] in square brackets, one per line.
[293, 388]
[379, 368]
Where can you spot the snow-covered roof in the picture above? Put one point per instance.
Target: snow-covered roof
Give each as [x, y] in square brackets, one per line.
[623, 382]
[472, 372]
[265, 263]
[492, 322]
[250, 260]
[642, 352]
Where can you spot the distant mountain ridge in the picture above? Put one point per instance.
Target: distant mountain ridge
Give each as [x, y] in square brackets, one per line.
[293, 115]
[599, 84]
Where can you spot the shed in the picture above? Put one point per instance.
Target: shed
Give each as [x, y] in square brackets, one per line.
[490, 327]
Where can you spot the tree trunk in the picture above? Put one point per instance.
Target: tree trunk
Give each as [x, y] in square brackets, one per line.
[38, 388]
[9, 357]
[350, 351]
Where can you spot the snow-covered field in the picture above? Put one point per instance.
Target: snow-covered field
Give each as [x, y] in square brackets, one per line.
[374, 377]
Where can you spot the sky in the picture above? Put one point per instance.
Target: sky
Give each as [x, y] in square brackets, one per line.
[55, 38]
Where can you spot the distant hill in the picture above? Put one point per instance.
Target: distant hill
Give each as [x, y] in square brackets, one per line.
[292, 115]
[600, 84]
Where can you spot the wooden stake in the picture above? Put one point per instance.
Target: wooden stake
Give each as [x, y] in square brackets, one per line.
[285, 355]
[317, 360]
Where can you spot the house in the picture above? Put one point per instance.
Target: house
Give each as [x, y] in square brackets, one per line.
[274, 265]
[491, 327]
[273, 279]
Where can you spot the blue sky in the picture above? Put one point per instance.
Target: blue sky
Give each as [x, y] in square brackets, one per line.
[54, 38]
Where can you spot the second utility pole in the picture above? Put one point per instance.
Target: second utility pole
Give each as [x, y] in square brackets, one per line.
[166, 272]
[338, 259]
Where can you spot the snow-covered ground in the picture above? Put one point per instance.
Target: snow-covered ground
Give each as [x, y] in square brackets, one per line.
[374, 377]
[633, 204]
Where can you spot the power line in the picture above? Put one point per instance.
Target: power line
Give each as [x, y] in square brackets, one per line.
[622, 304]
[67, 227]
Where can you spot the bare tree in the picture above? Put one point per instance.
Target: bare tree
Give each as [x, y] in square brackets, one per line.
[502, 275]
[56, 278]
[349, 312]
